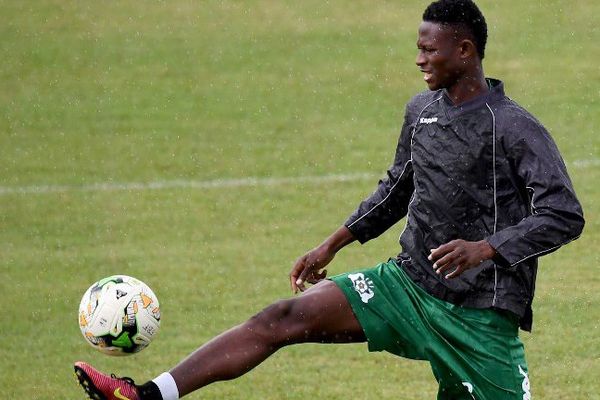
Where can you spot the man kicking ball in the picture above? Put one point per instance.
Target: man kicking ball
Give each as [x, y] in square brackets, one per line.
[485, 193]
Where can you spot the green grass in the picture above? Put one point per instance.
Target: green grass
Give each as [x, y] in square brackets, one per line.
[158, 91]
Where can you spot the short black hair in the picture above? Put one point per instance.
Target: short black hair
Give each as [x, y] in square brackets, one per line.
[463, 13]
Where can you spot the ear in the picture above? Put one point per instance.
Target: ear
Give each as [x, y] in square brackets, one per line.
[467, 49]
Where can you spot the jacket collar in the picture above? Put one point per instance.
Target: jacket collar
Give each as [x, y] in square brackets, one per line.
[495, 93]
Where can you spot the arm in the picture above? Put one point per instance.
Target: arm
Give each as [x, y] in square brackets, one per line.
[386, 206]
[389, 202]
[556, 216]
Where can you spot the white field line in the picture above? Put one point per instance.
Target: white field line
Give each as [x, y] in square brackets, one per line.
[217, 183]
[180, 183]
[582, 164]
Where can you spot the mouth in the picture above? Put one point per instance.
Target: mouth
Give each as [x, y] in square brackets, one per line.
[427, 75]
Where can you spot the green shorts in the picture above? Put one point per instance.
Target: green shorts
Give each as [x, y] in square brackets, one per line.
[474, 353]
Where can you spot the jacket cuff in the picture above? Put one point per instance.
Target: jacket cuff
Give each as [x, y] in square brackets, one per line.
[358, 233]
[501, 244]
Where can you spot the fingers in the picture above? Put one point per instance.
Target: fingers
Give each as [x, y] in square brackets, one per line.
[307, 267]
[448, 258]
[316, 277]
[300, 274]
[451, 259]
[300, 285]
[457, 256]
[451, 270]
[293, 285]
[442, 250]
[305, 276]
[295, 281]
[459, 270]
[297, 284]
[443, 259]
[303, 273]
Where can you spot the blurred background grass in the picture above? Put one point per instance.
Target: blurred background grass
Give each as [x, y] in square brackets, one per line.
[157, 91]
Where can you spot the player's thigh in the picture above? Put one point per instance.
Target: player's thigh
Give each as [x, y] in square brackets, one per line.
[320, 314]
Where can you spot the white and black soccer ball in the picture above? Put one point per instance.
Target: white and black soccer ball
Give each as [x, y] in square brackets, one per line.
[119, 315]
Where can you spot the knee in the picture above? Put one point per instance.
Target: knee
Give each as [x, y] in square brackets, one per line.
[277, 323]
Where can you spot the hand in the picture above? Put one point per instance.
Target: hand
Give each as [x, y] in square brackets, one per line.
[460, 255]
[308, 267]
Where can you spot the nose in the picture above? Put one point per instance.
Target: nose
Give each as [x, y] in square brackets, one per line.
[420, 61]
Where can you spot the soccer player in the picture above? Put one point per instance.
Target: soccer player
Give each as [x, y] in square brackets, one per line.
[485, 192]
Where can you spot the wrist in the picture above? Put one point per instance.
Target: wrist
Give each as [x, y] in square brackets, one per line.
[339, 239]
[332, 246]
[488, 251]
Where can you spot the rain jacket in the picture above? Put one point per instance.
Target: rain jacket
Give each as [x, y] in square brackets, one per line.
[486, 169]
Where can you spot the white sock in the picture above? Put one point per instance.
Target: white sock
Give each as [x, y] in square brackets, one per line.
[167, 386]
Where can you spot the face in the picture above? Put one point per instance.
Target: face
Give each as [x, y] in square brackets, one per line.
[439, 56]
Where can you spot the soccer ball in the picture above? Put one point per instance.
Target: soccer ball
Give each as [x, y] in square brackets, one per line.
[119, 315]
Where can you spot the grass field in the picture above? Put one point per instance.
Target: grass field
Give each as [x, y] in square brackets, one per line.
[94, 94]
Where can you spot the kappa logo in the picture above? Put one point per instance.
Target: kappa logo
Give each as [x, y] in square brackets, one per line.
[428, 120]
[364, 286]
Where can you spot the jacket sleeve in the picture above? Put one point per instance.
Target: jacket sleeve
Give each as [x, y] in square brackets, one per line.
[389, 202]
[556, 216]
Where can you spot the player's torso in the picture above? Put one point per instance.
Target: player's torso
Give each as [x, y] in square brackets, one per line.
[453, 165]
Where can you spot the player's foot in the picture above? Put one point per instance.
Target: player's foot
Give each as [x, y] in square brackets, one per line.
[99, 386]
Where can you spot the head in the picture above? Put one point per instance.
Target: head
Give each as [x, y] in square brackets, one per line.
[451, 42]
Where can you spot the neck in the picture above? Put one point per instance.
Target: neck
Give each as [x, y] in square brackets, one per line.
[467, 87]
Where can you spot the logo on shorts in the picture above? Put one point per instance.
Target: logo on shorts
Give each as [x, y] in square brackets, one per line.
[469, 388]
[364, 286]
[525, 385]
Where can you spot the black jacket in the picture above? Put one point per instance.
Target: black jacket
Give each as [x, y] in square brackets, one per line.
[486, 169]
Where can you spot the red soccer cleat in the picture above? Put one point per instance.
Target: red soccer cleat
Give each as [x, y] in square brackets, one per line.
[99, 386]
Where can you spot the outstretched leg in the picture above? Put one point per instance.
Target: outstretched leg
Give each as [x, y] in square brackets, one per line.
[320, 315]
